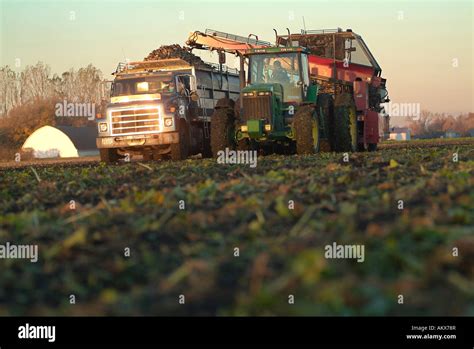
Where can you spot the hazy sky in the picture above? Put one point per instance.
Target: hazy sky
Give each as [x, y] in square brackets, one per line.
[425, 48]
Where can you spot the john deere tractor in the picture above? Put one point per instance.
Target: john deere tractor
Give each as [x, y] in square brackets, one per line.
[277, 107]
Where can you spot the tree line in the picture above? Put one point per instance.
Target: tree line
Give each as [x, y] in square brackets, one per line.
[434, 125]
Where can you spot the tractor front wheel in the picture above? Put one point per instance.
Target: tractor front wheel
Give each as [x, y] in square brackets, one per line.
[306, 129]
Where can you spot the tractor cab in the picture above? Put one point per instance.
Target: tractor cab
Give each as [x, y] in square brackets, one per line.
[278, 81]
[281, 68]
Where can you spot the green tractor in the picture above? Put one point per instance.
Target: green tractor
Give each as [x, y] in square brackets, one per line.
[281, 110]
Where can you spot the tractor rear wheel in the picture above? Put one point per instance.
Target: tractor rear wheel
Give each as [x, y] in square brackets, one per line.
[325, 108]
[222, 128]
[180, 150]
[109, 155]
[306, 129]
[345, 124]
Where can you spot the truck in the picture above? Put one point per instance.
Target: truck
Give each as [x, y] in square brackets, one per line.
[311, 91]
[161, 109]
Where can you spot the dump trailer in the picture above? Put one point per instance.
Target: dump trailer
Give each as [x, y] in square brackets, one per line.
[161, 108]
[306, 93]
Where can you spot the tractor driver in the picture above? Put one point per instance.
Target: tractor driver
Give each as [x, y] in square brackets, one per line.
[279, 74]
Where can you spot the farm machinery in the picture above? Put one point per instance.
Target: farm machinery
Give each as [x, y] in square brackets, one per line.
[311, 91]
[155, 111]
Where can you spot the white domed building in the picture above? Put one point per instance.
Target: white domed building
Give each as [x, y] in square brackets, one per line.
[61, 141]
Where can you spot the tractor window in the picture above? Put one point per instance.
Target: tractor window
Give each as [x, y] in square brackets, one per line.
[283, 68]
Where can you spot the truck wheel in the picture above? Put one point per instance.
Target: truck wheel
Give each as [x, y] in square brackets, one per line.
[180, 150]
[109, 155]
[345, 124]
[306, 129]
[325, 107]
[222, 128]
[206, 149]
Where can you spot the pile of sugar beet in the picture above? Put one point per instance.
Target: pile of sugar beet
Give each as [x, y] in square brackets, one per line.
[175, 51]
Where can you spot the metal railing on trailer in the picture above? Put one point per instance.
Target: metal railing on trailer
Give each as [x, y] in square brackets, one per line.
[321, 31]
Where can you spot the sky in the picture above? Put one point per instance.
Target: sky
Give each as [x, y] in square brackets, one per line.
[425, 48]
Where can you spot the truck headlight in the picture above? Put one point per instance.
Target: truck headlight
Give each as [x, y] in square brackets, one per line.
[168, 122]
[244, 128]
[103, 127]
[268, 127]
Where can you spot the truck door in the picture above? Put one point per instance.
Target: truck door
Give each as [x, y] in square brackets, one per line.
[186, 87]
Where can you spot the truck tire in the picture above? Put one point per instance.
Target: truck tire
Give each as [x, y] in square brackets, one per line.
[206, 149]
[222, 128]
[345, 124]
[325, 108]
[109, 155]
[180, 150]
[306, 128]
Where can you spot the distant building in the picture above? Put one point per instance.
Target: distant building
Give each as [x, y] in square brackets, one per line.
[400, 134]
[452, 134]
[61, 141]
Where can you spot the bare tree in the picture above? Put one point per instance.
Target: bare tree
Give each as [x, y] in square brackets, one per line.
[35, 83]
[9, 90]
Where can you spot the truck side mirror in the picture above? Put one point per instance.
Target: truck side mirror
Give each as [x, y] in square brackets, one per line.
[221, 57]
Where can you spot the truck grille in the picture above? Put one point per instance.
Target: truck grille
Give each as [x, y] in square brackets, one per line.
[258, 107]
[136, 120]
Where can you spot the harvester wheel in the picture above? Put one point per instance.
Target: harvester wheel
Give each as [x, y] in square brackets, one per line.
[372, 147]
[306, 129]
[345, 124]
[222, 128]
[109, 155]
[180, 151]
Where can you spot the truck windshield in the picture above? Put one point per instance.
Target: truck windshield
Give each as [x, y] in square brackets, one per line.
[281, 68]
[145, 85]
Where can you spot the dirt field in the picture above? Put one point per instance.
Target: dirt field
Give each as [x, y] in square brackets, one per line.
[190, 250]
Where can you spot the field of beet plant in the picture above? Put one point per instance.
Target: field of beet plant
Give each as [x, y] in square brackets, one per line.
[235, 240]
